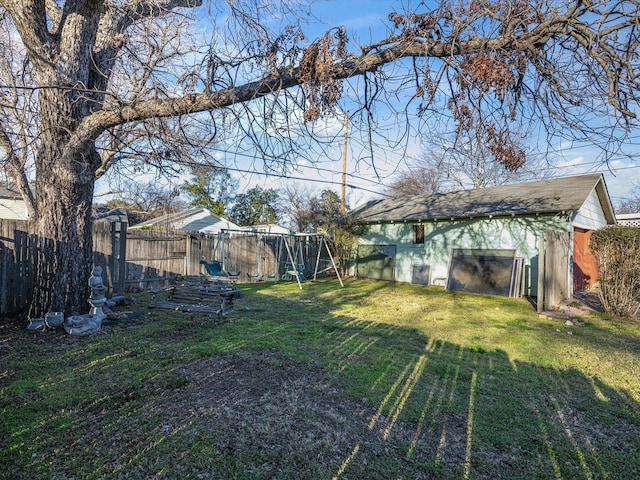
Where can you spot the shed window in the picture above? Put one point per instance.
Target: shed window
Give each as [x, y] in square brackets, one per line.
[418, 234]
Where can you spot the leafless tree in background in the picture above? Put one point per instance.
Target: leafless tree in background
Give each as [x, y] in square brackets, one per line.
[462, 162]
[145, 200]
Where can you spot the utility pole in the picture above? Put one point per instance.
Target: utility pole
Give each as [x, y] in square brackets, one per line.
[343, 208]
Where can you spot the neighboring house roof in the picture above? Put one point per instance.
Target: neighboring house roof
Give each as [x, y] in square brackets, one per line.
[194, 220]
[6, 191]
[111, 215]
[12, 206]
[540, 197]
[628, 219]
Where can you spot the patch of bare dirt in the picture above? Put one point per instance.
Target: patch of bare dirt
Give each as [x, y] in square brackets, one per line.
[273, 416]
[265, 401]
[298, 414]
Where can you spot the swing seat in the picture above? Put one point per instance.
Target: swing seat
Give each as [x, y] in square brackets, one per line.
[292, 272]
[328, 270]
[214, 269]
[256, 276]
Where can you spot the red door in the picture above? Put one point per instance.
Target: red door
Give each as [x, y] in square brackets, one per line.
[585, 268]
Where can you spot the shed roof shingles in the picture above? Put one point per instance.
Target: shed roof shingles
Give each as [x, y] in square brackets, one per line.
[544, 196]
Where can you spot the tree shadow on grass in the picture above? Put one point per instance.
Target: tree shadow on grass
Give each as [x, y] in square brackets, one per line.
[385, 402]
[455, 412]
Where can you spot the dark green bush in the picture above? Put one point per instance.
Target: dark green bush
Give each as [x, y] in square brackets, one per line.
[617, 251]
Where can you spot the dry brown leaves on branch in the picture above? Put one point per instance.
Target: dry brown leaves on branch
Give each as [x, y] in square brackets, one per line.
[503, 149]
[489, 71]
[284, 50]
[462, 114]
[316, 73]
[414, 24]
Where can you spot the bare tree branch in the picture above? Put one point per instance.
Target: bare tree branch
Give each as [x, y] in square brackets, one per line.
[108, 82]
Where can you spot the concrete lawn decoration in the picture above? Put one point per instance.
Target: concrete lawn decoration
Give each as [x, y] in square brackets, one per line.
[91, 322]
[79, 324]
[53, 319]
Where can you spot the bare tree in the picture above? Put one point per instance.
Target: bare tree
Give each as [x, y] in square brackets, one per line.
[630, 203]
[295, 206]
[467, 162]
[89, 83]
[464, 161]
[423, 179]
[145, 200]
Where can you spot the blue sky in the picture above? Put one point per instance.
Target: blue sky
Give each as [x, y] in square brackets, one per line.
[366, 21]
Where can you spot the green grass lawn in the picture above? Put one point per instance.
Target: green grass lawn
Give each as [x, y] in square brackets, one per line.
[370, 381]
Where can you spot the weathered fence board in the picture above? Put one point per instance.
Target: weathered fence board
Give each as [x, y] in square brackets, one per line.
[144, 259]
[18, 249]
[16, 252]
[556, 268]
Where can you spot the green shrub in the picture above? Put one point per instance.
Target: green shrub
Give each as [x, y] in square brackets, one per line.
[344, 239]
[617, 251]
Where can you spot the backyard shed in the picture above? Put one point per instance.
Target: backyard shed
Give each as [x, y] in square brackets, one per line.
[509, 239]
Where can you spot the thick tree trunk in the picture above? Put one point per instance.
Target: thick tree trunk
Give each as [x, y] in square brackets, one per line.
[64, 194]
[65, 254]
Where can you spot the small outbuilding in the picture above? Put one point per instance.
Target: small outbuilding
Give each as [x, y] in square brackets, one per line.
[520, 239]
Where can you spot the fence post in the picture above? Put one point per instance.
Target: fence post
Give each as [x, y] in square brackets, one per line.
[541, 253]
[113, 268]
[122, 258]
[187, 255]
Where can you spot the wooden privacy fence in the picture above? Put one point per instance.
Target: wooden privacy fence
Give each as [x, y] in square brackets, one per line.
[139, 259]
[18, 251]
[155, 257]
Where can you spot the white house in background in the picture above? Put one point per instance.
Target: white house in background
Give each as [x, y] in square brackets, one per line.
[193, 220]
[12, 206]
[267, 229]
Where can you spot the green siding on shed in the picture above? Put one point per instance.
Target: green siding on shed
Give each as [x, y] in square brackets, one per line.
[520, 233]
[376, 261]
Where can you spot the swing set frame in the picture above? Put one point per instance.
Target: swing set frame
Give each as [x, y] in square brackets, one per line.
[292, 246]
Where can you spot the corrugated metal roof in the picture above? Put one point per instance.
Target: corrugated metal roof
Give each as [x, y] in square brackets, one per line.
[539, 197]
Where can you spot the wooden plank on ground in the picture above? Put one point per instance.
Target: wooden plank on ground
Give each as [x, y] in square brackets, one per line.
[197, 295]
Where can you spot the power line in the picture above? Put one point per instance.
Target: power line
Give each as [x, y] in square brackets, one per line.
[376, 192]
[306, 179]
[316, 168]
[315, 180]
